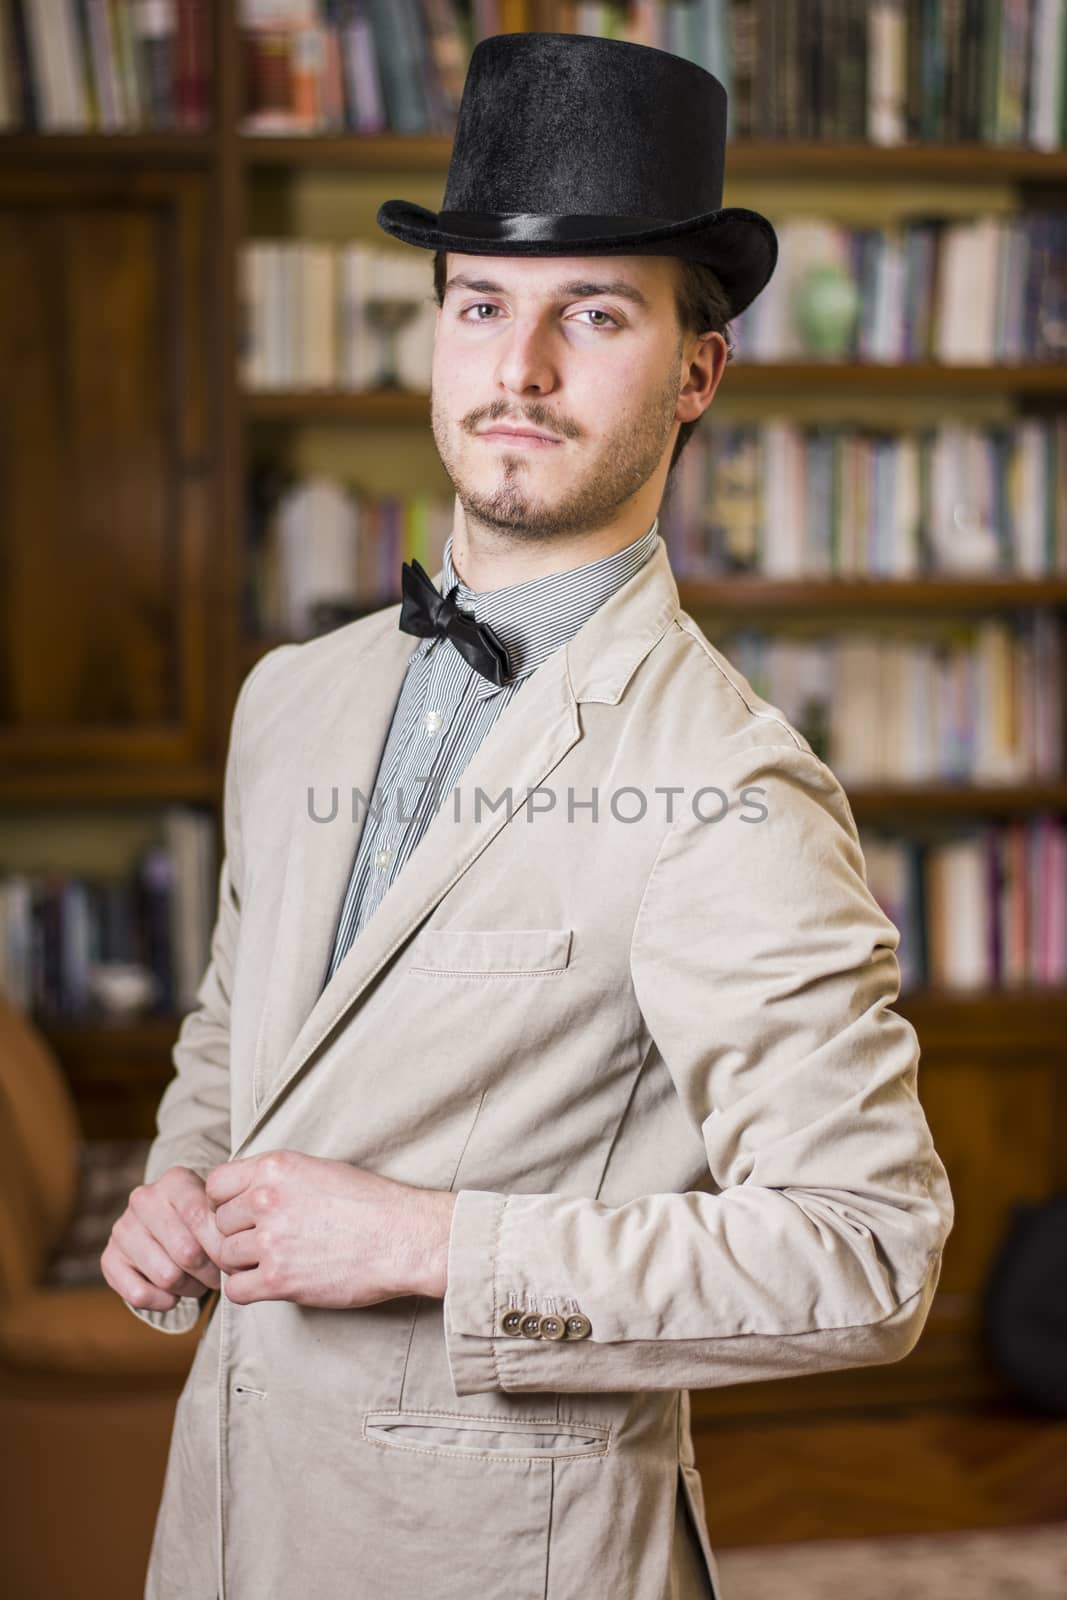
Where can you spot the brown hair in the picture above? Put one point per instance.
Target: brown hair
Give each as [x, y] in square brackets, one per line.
[700, 305]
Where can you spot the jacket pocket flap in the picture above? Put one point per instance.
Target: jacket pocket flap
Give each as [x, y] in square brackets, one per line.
[495, 950]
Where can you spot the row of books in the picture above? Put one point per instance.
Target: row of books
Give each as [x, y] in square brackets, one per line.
[978, 701]
[976, 291]
[784, 499]
[898, 71]
[979, 289]
[983, 907]
[105, 66]
[355, 66]
[319, 553]
[889, 72]
[75, 947]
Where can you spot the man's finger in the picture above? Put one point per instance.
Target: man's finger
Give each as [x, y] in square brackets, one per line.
[137, 1286]
[229, 1178]
[233, 1215]
[242, 1251]
[245, 1287]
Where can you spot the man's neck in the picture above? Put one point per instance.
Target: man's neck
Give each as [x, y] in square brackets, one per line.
[483, 563]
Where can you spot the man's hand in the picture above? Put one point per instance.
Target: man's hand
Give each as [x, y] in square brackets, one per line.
[324, 1233]
[165, 1244]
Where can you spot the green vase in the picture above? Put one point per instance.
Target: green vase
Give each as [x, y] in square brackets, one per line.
[826, 307]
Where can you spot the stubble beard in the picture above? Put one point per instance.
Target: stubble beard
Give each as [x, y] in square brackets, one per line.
[517, 508]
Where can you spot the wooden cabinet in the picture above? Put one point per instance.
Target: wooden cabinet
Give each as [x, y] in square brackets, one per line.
[108, 610]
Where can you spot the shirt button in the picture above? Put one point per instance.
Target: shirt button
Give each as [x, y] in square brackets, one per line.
[382, 858]
[432, 721]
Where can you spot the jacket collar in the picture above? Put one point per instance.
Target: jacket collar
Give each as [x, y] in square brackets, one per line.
[534, 618]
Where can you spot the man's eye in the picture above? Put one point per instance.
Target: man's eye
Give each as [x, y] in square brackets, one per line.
[590, 311]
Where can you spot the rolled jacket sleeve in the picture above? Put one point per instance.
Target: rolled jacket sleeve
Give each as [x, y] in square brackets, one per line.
[765, 971]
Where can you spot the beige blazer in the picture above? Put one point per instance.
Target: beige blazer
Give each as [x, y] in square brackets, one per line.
[654, 1052]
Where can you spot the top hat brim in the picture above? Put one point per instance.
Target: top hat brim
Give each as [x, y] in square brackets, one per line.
[739, 244]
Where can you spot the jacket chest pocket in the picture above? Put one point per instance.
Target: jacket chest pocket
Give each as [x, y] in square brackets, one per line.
[492, 952]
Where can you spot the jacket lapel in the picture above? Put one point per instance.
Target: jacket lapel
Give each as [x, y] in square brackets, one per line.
[339, 756]
[529, 739]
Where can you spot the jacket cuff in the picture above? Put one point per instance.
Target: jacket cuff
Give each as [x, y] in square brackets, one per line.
[179, 1319]
[469, 1304]
[499, 1333]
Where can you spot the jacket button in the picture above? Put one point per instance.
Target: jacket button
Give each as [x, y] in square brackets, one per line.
[578, 1327]
[531, 1326]
[552, 1327]
[511, 1322]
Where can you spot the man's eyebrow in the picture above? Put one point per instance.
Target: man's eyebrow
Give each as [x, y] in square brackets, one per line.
[577, 290]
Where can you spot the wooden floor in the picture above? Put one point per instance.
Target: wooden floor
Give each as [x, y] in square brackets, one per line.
[767, 1481]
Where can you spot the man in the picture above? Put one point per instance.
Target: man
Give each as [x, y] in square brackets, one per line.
[562, 1079]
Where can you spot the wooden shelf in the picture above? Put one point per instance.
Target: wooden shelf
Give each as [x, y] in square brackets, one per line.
[151, 785]
[147, 146]
[951, 1021]
[111, 1039]
[772, 160]
[112, 1065]
[394, 152]
[390, 407]
[934, 163]
[383, 408]
[936, 593]
[116, 1071]
[894, 378]
[885, 802]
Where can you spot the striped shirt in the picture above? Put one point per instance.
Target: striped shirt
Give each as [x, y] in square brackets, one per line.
[446, 707]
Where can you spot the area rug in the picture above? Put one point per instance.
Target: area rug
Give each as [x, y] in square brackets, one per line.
[989, 1564]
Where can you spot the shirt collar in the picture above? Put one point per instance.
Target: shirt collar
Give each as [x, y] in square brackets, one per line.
[535, 617]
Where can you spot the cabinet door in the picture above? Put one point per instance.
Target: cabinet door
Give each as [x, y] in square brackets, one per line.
[107, 481]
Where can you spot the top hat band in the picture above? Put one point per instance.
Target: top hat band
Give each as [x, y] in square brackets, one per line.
[537, 225]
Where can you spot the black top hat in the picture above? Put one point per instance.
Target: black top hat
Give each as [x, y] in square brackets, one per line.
[567, 144]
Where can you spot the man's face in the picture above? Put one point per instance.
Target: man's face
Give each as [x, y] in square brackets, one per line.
[555, 344]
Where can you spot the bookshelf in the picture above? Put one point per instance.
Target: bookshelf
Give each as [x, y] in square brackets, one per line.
[756, 379]
[981, 1049]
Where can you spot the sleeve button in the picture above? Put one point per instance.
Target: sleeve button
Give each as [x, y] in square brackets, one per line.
[578, 1327]
[531, 1326]
[511, 1322]
[552, 1327]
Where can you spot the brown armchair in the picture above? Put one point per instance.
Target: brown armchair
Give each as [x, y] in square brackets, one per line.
[87, 1390]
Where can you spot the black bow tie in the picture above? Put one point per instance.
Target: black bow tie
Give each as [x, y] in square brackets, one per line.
[425, 612]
